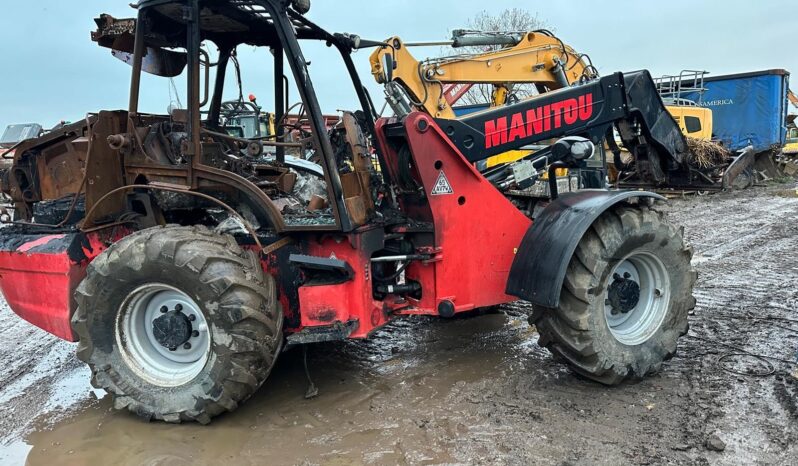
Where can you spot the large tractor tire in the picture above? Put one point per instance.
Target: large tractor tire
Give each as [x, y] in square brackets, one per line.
[178, 324]
[625, 300]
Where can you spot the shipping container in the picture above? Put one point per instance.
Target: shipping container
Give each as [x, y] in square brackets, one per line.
[747, 108]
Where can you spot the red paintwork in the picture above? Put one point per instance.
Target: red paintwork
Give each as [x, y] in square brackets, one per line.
[477, 231]
[455, 91]
[39, 286]
[324, 305]
[476, 241]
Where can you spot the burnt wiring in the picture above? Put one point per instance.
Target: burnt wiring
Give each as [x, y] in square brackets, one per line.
[239, 82]
[206, 197]
[128, 218]
[770, 368]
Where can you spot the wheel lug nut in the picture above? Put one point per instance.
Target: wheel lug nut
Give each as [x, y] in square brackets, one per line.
[192, 317]
[658, 293]
[627, 275]
[195, 333]
[616, 277]
[187, 346]
[179, 307]
[164, 310]
[172, 349]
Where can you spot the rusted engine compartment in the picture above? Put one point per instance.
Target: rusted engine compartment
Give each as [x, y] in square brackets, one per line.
[96, 173]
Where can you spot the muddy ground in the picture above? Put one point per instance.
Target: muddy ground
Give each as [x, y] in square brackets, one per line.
[476, 390]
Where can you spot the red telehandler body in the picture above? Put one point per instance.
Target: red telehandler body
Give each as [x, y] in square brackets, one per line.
[184, 259]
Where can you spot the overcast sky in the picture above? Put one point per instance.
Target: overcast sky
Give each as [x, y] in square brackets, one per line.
[51, 70]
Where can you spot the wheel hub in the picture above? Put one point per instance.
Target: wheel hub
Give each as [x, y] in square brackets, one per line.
[637, 299]
[172, 330]
[623, 294]
[163, 334]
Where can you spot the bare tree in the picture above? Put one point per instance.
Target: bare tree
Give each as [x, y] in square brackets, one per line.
[508, 20]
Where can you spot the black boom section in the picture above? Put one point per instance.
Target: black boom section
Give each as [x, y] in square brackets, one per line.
[644, 101]
[630, 101]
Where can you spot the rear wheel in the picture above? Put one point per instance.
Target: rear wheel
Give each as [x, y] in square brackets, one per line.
[625, 300]
[178, 324]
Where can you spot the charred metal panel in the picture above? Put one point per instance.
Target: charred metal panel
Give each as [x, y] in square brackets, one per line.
[104, 167]
[48, 168]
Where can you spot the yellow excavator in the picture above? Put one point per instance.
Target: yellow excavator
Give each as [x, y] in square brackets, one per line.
[536, 58]
[791, 147]
[695, 121]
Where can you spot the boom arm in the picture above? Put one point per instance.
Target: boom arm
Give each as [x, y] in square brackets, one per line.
[629, 102]
[793, 98]
[538, 57]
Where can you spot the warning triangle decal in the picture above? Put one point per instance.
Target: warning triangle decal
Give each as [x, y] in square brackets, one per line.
[442, 186]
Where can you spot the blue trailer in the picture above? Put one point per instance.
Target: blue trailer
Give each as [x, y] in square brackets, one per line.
[748, 109]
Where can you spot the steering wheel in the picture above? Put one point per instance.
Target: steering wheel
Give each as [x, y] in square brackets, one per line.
[296, 126]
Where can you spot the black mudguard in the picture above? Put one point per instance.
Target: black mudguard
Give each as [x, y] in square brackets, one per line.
[538, 272]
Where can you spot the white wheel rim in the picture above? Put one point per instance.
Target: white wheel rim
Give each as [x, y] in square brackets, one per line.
[637, 325]
[145, 353]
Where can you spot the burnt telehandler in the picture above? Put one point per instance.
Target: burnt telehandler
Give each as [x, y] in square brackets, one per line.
[183, 259]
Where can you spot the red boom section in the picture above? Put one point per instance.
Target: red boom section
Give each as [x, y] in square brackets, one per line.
[476, 229]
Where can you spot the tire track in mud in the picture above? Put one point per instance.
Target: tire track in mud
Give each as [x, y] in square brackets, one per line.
[748, 276]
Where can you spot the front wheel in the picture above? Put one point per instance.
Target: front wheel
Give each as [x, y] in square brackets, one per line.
[626, 298]
[178, 323]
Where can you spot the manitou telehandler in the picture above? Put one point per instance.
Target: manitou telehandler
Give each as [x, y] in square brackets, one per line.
[542, 62]
[184, 259]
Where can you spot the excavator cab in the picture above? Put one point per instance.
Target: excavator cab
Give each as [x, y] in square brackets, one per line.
[791, 147]
[694, 120]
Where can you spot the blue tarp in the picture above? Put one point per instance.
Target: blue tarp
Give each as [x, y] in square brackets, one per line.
[748, 109]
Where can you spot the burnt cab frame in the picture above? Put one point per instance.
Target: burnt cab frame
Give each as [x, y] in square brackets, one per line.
[228, 24]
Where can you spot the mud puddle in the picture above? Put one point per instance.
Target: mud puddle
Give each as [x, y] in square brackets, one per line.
[391, 400]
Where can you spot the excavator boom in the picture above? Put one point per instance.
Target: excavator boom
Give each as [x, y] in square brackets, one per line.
[536, 57]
